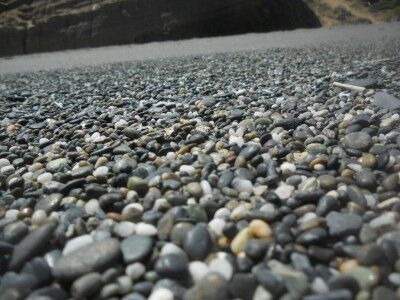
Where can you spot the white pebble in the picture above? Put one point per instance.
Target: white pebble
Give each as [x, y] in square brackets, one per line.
[161, 294]
[171, 248]
[120, 123]
[11, 213]
[288, 169]
[284, 191]
[187, 169]
[45, 177]
[92, 207]
[262, 294]
[217, 225]
[39, 217]
[198, 270]
[124, 229]
[77, 243]
[221, 266]
[43, 141]
[135, 270]
[242, 185]
[100, 171]
[7, 169]
[27, 176]
[4, 162]
[146, 229]
[206, 187]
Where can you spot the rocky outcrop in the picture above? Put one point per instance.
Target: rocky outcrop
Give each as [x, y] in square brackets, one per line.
[29, 26]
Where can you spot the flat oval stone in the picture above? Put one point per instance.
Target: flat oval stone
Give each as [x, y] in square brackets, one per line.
[32, 245]
[96, 256]
[136, 248]
[358, 140]
[198, 243]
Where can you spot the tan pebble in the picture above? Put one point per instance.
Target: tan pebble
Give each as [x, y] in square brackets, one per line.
[347, 173]
[240, 241]
[223, 242]
[316, 161]
[101, 161]
[367, 160]
[260, 229]
[25, 213]
[348, 265]
[114, 216]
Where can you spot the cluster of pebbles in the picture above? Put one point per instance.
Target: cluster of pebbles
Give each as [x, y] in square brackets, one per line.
[236, 176]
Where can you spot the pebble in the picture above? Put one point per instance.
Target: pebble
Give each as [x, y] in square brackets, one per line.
[136, 248]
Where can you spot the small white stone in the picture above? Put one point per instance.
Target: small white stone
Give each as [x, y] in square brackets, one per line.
[45, 177]
[187, 169]
[222, 213]
[120, 123]
[309, 184]
[387, 219]
[242, 185]
[319, 286]
[284, 191]
[239, 212]
[27, 176]
[43, 141]
[217, 225]
[100, 171]
[124, 229]
[288, 169]
[221, 266]
[171, 156]
[161, 294]
[39, 217]
[135, 270]
[171, 248]
[92, 207]
[260, 189]
[4, 162]
[11, 213]
[262, 294]
[198, 270]
[319, 167]
[77, 243]
[146, 229]
[7, 169]
[206, 187]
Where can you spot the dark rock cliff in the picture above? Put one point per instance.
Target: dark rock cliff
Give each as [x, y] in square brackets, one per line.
[28, 26]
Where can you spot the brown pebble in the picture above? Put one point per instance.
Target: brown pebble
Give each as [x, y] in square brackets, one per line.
[260, 229]
[348, 265]
[114, 216]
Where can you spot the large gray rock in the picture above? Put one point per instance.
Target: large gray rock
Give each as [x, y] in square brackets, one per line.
[94, 257]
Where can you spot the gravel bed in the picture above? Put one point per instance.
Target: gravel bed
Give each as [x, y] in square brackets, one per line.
[248, 175]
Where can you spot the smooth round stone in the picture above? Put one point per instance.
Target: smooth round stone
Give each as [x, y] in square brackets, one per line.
[211, 286]
[284, 191]
[92, 207]
[327, 182]
[132, 212]
[365, 179]
[198, 270]
[171, 248]
[124, 229]
[77, 243]
[341, 224]
[194, 189]
[198, 243]
[358, 140]
[136, 248]
[4, 162]
[287, 169]
[221, 266]
[49, 203]
[243, 286]
[125, 165]
[135, 271]
[7, 170]
[86, 286]
[295, 281]
[172, 266]
[34, 244]
[125, 284]
[239, 213]
[11, 214]
[100, 171]
[161, 294]
[242, 185]
[394, 278]
[54, 165]
[260, 229]
[39, 217]
[217, 226]
[96, 256]
[146, 229]
[187, 169]
[109, 290]
[137, 184]
[44, 177]
[262, 294]
[179, 231]
[365, 277]
[316, 148]
[240, 240]
[206, 187]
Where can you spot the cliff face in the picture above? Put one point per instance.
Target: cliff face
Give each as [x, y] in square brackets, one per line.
[28, 26]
